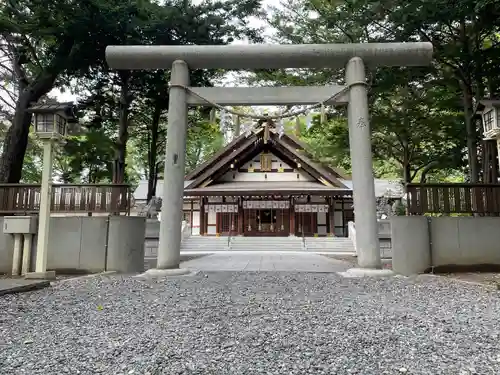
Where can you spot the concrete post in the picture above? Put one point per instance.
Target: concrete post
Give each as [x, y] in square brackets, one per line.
[237, 126]
[16, 258]
[365, 210]
[42, 245]
[169, 246]
[28, 239]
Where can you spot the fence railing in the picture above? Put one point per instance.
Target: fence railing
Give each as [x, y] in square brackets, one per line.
[100, 198]
[453, 198]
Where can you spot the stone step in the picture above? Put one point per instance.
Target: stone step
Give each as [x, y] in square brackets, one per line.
[251, 247]
[266, 244]
[202, 243]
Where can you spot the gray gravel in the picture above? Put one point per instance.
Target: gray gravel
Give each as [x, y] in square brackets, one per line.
[252, 323]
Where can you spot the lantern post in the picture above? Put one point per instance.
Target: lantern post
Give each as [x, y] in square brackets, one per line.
[51, 125]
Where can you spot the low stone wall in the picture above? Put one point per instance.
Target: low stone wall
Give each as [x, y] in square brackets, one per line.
[6, 250]
[421, 243]
[384, 228]
[384, 235]
[153, 236]
[87, 244]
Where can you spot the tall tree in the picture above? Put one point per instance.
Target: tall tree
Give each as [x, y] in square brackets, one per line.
[43, 43]
[465, 44]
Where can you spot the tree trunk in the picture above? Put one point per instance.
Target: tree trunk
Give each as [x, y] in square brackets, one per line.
[121, 142]
[16, 140]
[426, 170]
[153, 149]
[467, 95]
[406, 173]
[470, 129]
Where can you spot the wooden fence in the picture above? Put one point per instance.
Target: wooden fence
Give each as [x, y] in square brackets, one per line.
[453, 198]
[102, 198]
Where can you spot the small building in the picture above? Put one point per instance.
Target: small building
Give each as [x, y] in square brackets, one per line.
[488, 111]
[266, 184]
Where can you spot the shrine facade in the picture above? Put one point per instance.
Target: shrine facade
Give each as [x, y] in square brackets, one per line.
[266, 184]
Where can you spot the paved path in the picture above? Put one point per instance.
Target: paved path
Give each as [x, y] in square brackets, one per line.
[17, 285]
[254, 261]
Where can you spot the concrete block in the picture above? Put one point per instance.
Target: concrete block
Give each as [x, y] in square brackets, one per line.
[93, 244]
[64, 244]
[479, 240]
[126, 244]
[465, 241]
[410, 244]
[47, 275]
[6, 251]
[20, 224]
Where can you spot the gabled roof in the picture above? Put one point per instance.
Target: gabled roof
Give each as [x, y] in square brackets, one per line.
[245, 147]
[338, 172]
[218, 155]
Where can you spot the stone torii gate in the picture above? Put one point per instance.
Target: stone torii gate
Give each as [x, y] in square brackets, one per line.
[352, 57]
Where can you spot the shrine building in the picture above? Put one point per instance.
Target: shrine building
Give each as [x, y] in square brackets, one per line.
[267, 184]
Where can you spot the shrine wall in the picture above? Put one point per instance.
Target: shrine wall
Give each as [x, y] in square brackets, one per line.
[251, 172]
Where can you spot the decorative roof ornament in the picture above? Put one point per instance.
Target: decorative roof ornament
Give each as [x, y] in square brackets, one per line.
[309, 120]
[323, 114]
[212, 115]
[280, 127]
[247, 127]
[226, 121]
[297, 126]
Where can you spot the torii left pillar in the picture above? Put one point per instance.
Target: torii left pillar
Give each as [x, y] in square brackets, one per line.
[175, 162]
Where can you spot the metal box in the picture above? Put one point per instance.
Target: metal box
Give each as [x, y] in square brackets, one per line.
[20, 224]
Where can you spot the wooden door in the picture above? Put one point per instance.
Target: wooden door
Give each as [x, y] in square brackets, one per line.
[227, 222]
[305, 223]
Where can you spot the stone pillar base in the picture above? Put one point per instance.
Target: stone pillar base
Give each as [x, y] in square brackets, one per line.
[160, 273]
[47, 275]
[366, 272]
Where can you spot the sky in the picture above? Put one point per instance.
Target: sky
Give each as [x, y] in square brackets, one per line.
[67, 96]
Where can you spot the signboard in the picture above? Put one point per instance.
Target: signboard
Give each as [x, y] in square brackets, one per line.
[311, 208]
[281, 204]
[221, 208]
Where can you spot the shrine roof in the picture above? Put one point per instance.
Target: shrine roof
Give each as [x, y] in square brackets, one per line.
[267, 188]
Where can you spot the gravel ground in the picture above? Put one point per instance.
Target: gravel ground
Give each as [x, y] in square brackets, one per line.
[252, 323]
[353, 261]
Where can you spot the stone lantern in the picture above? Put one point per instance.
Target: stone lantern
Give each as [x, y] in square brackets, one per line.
[52, 119]
[489, 110]
[51, 124]
[490, 114]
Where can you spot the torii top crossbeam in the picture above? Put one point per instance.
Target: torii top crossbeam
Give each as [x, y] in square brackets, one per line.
[268, 56]
[181, 59]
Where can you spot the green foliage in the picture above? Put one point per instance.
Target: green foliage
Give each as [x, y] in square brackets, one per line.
[421, 117]
[203, 140]
[88, 158]
[49, 44]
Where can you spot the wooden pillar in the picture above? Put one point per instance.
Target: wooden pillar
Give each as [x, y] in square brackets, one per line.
[490, 161]
[292, 217]
[327, 201]
[202, 217]
[241, 215]
[191, 217]
[331, 216]
[344, 221]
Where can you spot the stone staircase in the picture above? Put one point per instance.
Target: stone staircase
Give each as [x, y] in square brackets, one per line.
[204, 243]
[239, 243]
[266, 244]
[330, 244]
